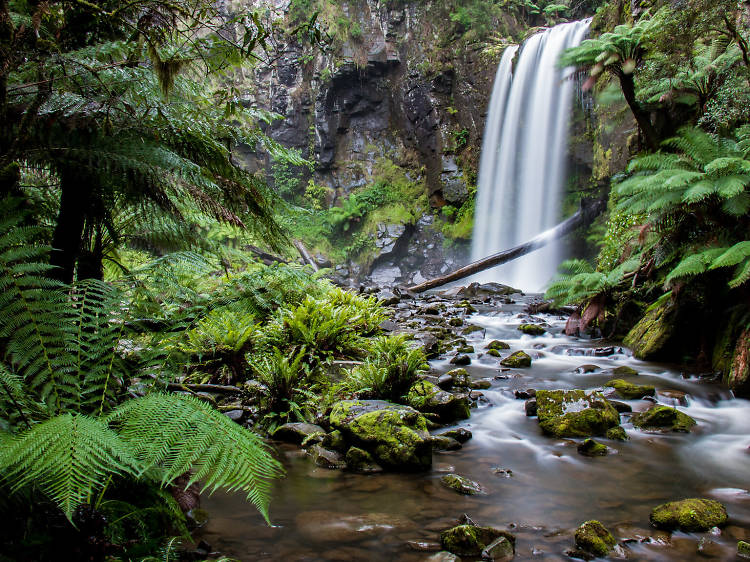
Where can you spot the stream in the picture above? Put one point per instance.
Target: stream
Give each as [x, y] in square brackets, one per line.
[539, 488]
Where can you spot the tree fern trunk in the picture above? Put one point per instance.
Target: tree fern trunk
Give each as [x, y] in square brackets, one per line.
[641, 117]
[66, 242]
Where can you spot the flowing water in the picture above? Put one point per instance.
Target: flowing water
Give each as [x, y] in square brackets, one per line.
[522, 168]
[334, 515]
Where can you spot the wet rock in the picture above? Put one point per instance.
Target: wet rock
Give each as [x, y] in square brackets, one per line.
[691, 515]
[624, 371]
[430, 345]
[743, 549]
[524, 394]
[445, 381]
[629, 390]
[590, 448]
[517, 360]
[460, 377]
[461, 360]
[481, 384]
[471, 540]
[424, 546]
[605, 351]
[395, 435]
[326, 458]
[455, 322]
[461, 434]
[360, 460]
[427, 397]
[575, 413]
[388, 298]
[335, 440]
[586, 369]
[664, 418]
[594, 538]
[497, 344]
[651, 335]
[466, 349]
[499, 550]
[621, 407]
[531, 407]
[676, 397]
[443, 556]
[493, 353]
[502, 472]
[617, 434]
[470, 329]
[532, 329]
[296, 432]
[444, 443]
[388, 326]
[235, 415]
[461, 484]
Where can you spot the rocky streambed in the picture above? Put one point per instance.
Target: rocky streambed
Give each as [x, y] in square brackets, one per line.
[564, 431]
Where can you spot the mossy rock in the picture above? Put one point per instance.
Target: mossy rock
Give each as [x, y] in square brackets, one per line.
[296, 432]
[493, 353]
[460, 434]
[738, 376]
[616, 434]
[336, 441]
[590, 448]
[481, 384]
[455, 322]
[628, 390]
[395, 435]
[462, 485]
[594, 538]
[497, 344]
[466, 349]
[665, 418]
[743, 549]
[471, 329]
[624, 371]
[532, 329]
[460, 376]
[444, 443]
[429, 398]
[574, 413]
[471, 540]
[651, 335]
[360, 460]
[517, 360]
[691, 515]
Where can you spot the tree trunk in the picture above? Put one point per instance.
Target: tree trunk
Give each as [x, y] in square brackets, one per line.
[66, 241]
[306, 257]
[642, 117]
[584, 216]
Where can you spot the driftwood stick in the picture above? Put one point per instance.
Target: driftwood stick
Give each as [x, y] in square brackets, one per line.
[585, 215]
[308, 259]
[214, 388]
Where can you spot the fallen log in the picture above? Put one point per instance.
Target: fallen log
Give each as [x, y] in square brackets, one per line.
[588, 211]
[264, 256]
[306, 257]
[212, 388]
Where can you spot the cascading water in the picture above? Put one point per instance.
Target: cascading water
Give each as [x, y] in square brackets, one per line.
[522, 167]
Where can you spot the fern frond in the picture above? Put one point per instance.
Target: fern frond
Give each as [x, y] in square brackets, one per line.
[694, 264]
[732, 256]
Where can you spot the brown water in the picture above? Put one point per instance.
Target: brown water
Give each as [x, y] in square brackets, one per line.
[323, 514]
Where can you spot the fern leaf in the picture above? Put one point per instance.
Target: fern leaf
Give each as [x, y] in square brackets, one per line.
[694, 264]
[741, 276]
[732, 256]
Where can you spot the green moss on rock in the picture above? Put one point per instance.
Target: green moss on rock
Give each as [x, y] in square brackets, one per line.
[460, 376]
[594, 538]
[517, 360]
[427, 397]
[590, 448]
[470, 540]
[691, 515]
[493, 353]
[461, 484]
[743, 549]
[574, 413]
[663, 417]
[616, 434]
[497, 344]
[624, 371]
[629, 390]
[532, 329]
[360, 460]
[651, 334]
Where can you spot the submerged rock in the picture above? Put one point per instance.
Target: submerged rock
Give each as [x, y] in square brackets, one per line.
[471, 540]
[517, 360]
[628, 390]
[689, 515]
[590, 448]
[332, 527]
[593, 537]
[665, 418]
[461, 434]
[427, 397]
[462, 485]
[443, 556]
[326, 458]
[296, 432]
[395, 435]
[499, 550]
[624, 371]
[532, 329]
[574, 413]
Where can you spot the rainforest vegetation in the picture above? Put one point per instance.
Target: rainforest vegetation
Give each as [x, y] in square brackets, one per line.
[156, 325]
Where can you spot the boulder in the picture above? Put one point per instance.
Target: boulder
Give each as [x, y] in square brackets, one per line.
[575, 413]
[616, 434]
[427, 397]
[664, 418]
[460, 377]
[499, 550]
[471, 540]
[395, 435]
[461, 359]
[444, 443]
[630, 391]
[532, 329]
[461, 484]
[691, 515]
[743, 549]
[481, 384]
[517, 360]
[590, 448]
[326, 458]
[624, 371]
[594, 538]
[650, 336]
[335, 440]
[360, 460]
[461, 434]
[494, 353]
[497, 344]
[296, 432]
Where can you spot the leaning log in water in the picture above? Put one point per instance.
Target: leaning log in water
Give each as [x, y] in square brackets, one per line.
[584, 216]
[306, 257]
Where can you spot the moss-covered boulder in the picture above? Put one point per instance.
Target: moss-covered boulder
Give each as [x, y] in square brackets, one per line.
[493, 353]
[616, 434]
[663, 418]
[460, 434]
[517, 360]
[296, 432]
[395, 435]
[651, 335]
[335, 440]
[471, 540]
[624, 371]
[743, 549]
[461, 484]
[631, 391]
[471, 329]
[591, 448]
[444, 443]
[691, 515]
[460, 377]
[594, 538]
[532, 329]
[360, 460]
[574, 413]
[497, 344]
[427, 397]
[326, 458]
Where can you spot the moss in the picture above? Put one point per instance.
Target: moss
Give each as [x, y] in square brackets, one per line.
[470, 540]
[497, 344]
[651, 334]
[517, 360]
[629, 390]
[359, 460]
[466, 349]
[494, 353]
[663, 417]
[743, 549]
[427, 397]
[573, 413]
[624, 371]
[335, 440]
[455, 322]
[590, 448]
[738, 376]
[617, 434]
[691, 515]
[532, 329]
[461, 485]
[594, 538]
[471, 328]
[460, 377]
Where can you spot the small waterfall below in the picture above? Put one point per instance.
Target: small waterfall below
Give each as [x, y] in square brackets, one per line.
[522, 167]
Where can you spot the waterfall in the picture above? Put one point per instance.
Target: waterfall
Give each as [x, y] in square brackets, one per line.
[522, 167]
